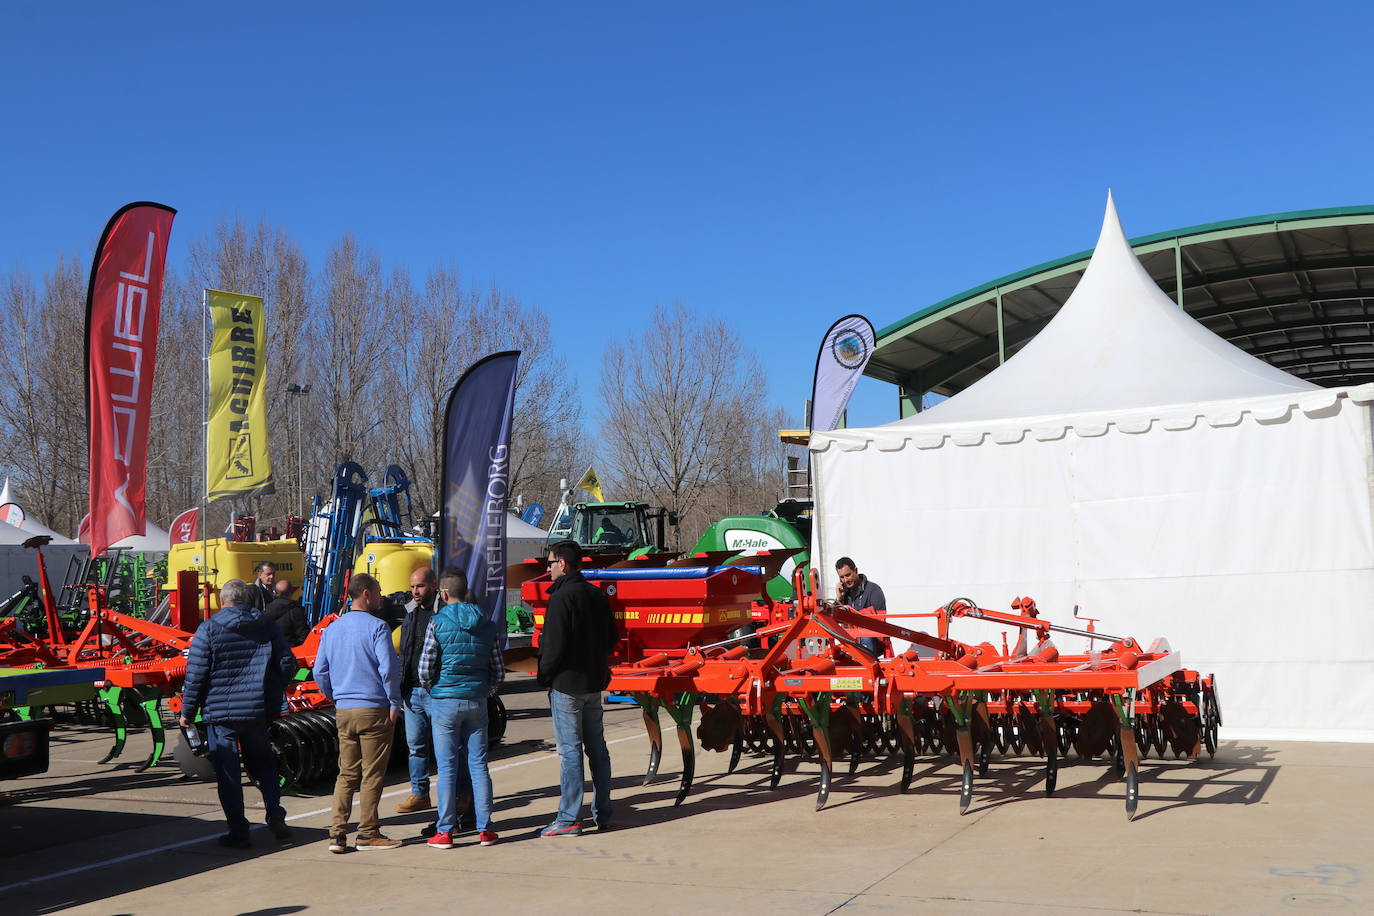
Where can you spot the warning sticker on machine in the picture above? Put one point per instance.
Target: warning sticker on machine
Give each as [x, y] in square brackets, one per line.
[846, 683]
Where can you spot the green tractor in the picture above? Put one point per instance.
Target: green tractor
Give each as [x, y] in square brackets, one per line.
[623, 528]
[612, 528]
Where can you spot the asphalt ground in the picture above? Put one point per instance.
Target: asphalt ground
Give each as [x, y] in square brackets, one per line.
[1262, 828]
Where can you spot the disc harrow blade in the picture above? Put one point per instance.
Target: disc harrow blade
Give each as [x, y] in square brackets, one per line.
[1185, 736]
[1096, 732]
[721, 725]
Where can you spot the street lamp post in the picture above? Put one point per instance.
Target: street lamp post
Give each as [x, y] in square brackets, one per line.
[299, 391]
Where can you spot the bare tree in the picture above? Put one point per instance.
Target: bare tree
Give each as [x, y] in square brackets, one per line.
[263, 260]
[176, 438]
[444, 329]
[45, 423]
[343, 331]
[379, 353]
[684, 417]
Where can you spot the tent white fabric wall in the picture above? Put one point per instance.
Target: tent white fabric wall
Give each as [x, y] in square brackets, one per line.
[523, 540]
[153, 540]
[1240, 528]
[17, 561]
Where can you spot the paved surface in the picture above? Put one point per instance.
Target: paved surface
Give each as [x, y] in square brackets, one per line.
[1283, 828]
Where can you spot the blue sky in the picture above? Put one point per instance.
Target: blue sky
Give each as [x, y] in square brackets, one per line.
[776, 164]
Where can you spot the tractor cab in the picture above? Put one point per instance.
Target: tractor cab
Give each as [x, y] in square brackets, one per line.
[609, 527]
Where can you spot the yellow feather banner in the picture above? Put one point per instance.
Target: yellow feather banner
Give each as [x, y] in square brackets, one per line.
[236, 456]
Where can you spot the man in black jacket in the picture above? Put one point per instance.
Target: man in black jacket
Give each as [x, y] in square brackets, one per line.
[288, 613]
[236, 671]
[578, 638]
[265, 583]
[424, 588]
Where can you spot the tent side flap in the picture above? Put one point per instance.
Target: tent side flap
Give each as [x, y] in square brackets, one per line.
[1244, 543]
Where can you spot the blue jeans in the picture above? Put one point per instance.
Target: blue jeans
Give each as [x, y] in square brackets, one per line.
[872, 645]
[224, 740]
[577, 725]
[417, 739]
[460, 727]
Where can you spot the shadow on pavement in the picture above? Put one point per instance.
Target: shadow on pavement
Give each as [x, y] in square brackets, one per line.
[195, 858]
[1239, 775]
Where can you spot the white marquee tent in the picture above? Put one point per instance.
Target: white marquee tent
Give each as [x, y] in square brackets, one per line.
[153, 540]
[1131, 462]
[523, 539]
[18, 561]
[20, 519]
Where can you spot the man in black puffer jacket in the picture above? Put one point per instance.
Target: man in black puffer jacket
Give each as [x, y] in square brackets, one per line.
[578, 638]
[236, 674]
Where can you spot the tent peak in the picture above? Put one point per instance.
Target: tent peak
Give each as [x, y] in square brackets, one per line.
[1118, 343]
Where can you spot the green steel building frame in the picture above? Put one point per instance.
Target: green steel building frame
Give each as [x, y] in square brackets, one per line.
[1295, 289]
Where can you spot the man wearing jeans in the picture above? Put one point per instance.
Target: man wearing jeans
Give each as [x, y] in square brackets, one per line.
[424, 589]
[236, 671]
[460, 666]
[356, 668]
[579, 636]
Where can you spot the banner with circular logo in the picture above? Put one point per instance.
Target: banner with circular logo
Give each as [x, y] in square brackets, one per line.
[845, 351]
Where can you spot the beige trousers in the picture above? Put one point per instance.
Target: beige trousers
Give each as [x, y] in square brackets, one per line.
[364, 750]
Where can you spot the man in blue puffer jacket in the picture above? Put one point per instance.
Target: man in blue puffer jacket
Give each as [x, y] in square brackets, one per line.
[236, 674]
[460, 666]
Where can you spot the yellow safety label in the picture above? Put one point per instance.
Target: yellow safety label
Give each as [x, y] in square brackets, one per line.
[846, 683]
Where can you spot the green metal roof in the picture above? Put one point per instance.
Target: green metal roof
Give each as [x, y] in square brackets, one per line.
[1223, 281]
[1268, 219]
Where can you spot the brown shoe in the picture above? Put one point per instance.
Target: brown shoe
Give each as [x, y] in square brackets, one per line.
[376, 842]
[414, 803]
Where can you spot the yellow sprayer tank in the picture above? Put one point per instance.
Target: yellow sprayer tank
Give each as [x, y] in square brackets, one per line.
[392, 562]
[220, 560]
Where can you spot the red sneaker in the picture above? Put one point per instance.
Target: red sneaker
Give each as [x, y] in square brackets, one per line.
[440, 841]
[488, 837]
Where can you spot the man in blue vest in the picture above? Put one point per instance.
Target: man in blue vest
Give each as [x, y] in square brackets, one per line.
[460, 666]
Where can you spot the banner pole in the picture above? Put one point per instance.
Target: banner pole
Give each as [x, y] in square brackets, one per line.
[204, 442]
